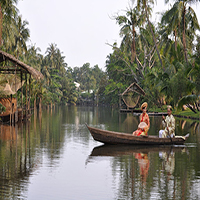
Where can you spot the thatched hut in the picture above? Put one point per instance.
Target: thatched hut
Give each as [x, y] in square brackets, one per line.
[13, 74]
[130, 97]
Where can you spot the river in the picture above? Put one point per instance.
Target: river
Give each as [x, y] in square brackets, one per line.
[53, 156]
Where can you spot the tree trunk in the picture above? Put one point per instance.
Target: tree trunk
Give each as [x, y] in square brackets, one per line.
[40, 104]
[153, 35]
[190, 107]
[1, 24]
[133, 50]
[35, 107]
[175, 35]
[184, 39]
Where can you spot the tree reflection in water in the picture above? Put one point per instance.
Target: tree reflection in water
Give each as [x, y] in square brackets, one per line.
[30, 149]
[144, 171]
[16, 161]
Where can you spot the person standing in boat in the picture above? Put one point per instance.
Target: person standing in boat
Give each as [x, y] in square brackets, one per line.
[169, 124]
[144, 124]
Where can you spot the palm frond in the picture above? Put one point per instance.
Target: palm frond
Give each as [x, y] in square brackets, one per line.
[189, 99]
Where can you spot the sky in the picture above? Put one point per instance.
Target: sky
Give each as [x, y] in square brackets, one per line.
[81, 29]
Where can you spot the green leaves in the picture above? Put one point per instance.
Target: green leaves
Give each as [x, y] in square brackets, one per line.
[188, 99]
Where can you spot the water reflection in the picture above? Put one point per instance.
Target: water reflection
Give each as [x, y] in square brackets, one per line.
[144, 170]
[168, 163]
[143, 163]
[16, 161]
[56, 147]
[22, 148]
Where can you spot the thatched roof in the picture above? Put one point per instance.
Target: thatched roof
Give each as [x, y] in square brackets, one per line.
[132, 95]
[134, 87]
[34, 73]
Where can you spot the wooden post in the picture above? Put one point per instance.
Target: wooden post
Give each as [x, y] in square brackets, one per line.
[119, 102]
[21, 96]
[97, 99]
[29, 111]
[16, 113]
[26, 94]
[11, 109]
[12, 114]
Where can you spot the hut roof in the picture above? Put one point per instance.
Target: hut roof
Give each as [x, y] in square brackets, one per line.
[5, 56]
[132, 95]
[134, 87]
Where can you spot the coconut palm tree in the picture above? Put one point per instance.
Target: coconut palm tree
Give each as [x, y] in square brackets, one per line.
[181, 21]
[128, 24]
[33, 58]
[8, 12]
[51, 55]
[144, 6]
[21, 37]
[60, 61]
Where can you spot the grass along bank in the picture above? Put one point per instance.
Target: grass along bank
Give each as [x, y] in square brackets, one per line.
[177, 113]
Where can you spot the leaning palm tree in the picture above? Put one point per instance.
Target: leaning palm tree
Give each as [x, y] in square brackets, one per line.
[193, 96]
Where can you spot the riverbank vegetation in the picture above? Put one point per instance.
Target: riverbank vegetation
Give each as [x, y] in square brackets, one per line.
[162, 57]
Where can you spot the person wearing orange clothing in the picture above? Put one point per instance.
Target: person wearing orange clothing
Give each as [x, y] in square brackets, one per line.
[143, 163]
[144, 124]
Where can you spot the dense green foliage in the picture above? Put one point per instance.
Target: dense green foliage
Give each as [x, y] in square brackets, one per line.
[163, 58]
[58, 85]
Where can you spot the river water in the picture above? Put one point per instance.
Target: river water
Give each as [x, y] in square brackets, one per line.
[54, 157]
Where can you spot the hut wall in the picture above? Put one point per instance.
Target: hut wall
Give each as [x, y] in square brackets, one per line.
[7, 133]
[7, 103]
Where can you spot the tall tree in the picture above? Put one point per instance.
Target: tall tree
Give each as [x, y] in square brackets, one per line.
[183, 16]
[128, 24]
[51, 55]
[143, 5]
[21, 37]
[8, 11]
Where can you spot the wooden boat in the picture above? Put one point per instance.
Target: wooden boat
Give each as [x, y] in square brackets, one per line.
[111, 137]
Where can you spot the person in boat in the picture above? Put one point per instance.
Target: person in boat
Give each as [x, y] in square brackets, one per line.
[169, 124]
[144, 124]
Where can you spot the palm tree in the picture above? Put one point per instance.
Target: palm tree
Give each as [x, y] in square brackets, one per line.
[60, 61]
[8, 35]
[143, 6]
[33, 58]
[183, 17]
[128, 23]
[171, 21]
[21, 37]
[8, 11]
[51, 55]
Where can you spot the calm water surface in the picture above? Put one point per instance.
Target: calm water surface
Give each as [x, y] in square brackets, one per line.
[55, 157]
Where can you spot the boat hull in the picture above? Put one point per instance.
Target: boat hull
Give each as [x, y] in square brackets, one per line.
[111, 137]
